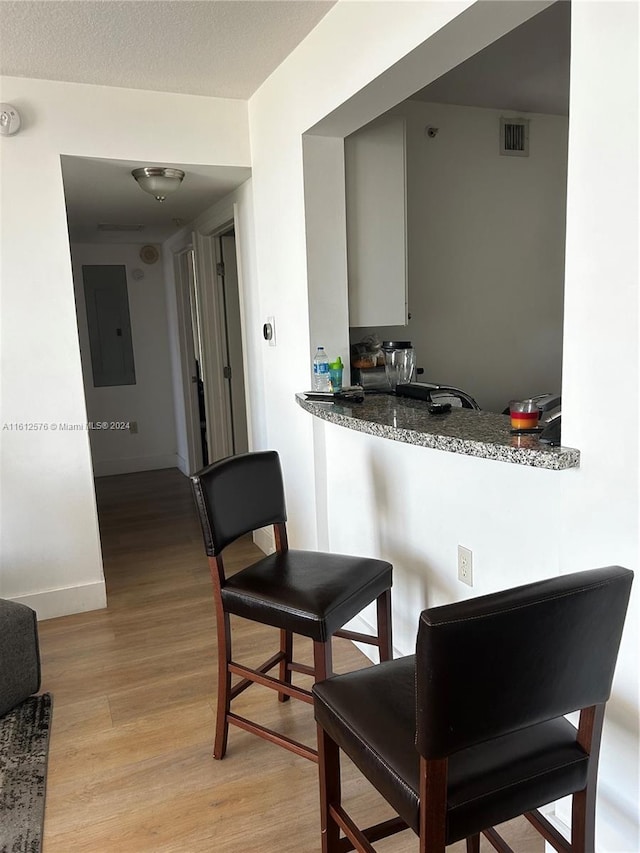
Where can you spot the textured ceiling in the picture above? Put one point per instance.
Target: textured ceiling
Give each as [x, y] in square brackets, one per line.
[213, 47]
[223, 48]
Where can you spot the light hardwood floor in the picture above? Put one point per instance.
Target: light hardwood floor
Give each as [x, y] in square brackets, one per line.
[130, 766]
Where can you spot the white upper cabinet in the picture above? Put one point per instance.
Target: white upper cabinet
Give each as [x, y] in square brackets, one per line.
[376, 206]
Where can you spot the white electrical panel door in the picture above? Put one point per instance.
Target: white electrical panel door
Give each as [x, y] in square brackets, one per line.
[105, 293]
[375, 178]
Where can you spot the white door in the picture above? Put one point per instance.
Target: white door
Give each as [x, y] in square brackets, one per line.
[227, 269]
[191, 361]
[213, 341]
[210, 333]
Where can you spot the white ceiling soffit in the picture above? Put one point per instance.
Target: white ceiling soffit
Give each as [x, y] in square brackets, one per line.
[103, 192]
[221, 48]
[527, 70]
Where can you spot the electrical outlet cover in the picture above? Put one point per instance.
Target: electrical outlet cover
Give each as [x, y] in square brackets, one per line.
[465, 565]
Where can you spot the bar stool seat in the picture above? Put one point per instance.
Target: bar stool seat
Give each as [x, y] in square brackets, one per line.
[485, 782]
[308, 592]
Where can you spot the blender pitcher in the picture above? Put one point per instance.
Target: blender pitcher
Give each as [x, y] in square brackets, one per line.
[399, 362]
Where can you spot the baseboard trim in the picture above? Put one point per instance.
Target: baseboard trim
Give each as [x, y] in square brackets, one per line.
[63, 602]
[549, 811]
[264, 539]
[109, 467]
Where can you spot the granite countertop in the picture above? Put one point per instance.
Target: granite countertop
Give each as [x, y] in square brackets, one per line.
[465, 431]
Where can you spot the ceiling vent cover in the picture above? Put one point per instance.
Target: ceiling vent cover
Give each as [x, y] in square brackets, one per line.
[115, 226]
[514, 137]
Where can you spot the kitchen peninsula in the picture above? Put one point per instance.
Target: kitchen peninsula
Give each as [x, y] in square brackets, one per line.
[463, 431]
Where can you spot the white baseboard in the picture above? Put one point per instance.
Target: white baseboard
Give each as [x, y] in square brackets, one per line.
[62, 602]
[182, 465]
[264, 539]
[109, 467]
[556, 822]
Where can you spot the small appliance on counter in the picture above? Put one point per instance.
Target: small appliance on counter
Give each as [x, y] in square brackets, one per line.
[552, 432]
[372, 379]
[399, 362]
[441, 394]
[550, 406]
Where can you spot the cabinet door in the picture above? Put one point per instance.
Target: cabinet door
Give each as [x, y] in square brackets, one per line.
[375, 178]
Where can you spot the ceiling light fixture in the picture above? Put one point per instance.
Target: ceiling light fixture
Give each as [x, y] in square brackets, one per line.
[158, 181]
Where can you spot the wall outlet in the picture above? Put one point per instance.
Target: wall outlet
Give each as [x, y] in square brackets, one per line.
[465, 565]
[133, 427]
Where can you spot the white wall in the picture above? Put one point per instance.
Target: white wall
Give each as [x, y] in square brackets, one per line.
[50, 541]
[600, 511]
[149, 402]
[358, 493]
[414, 505]
[316, 79]
[485, 241]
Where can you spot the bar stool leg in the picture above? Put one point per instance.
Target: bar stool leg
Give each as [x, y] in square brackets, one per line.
[383, 605]
[322, 660]
[330, 794]
[224, 684]
[286, 646]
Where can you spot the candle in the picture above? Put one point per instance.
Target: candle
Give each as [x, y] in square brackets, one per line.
[524, 414]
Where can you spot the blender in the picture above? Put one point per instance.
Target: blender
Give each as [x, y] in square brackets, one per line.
[399, 362]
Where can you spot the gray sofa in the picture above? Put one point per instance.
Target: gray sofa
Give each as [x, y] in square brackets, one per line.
[25, 723]
[19, 654]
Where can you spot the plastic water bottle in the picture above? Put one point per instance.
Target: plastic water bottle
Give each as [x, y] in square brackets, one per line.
[321, 371]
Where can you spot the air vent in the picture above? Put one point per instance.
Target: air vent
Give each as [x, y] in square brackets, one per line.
[514, 137]
[111, 226]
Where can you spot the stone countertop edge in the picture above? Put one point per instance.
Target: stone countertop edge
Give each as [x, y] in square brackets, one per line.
[471, 433]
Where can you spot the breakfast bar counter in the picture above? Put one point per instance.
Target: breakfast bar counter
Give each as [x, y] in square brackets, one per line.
[463, 431]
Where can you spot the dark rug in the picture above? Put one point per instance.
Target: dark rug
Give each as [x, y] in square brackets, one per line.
[24, 748]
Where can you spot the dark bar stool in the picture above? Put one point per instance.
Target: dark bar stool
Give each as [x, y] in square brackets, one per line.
[309, 593]
[470, 732]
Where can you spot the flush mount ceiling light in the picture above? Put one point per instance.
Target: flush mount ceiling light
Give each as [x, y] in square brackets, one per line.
[158, 181]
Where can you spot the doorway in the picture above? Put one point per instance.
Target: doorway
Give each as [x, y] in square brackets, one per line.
[210, 336]
[227, 273]
[196, 415]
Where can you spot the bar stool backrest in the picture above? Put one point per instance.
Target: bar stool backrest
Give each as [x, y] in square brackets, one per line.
[502, 662]
[237, 495]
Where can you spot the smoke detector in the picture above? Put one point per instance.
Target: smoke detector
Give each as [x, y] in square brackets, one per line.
[9, 120]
